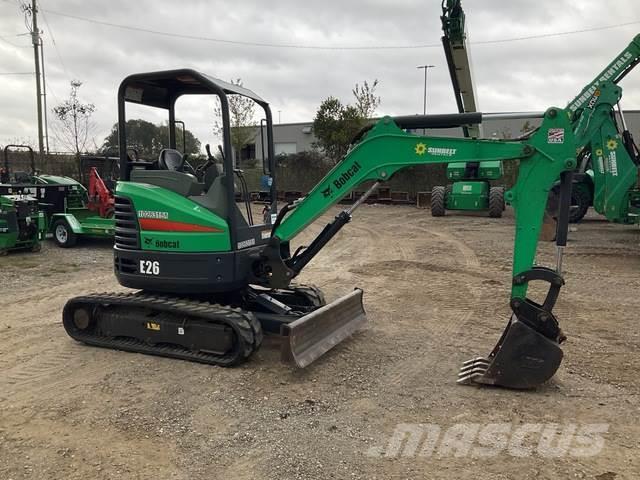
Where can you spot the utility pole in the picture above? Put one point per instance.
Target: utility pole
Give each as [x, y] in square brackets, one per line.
[44, 99]
[35, 39]
[424, 104]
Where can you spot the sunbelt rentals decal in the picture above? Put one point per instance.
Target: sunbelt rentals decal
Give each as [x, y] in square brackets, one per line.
[620, 64]
[422, 148]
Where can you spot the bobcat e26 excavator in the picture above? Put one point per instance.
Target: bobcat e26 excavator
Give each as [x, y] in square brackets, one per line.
[211, 281]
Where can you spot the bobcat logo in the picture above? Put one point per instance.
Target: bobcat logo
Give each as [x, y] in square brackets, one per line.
[147, 240]
[326, 192]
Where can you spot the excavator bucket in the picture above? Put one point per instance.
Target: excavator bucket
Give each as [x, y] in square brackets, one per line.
[311, 336]
[523, 358]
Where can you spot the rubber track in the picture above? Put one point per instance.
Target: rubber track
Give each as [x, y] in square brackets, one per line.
[247, 329]
[311, 292]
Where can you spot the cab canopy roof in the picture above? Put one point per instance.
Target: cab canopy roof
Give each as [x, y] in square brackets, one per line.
[161, 89]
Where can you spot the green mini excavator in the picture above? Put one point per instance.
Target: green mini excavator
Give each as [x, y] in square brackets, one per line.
[210, 280]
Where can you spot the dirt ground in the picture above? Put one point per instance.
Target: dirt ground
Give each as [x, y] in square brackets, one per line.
[436, 293]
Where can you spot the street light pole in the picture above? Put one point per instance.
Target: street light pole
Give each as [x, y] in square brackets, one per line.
[424, 104]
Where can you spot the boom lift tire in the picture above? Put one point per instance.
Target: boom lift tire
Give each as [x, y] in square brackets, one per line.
[580, 203]
[438, 201]
[496, 202]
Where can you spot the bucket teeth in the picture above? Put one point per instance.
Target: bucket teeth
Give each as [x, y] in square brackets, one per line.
[473, 371]
[475, 361]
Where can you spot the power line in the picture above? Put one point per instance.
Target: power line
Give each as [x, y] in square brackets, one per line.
[557, 34]
[323, 47]
[17, 73]
[53, 40]
[9, 42]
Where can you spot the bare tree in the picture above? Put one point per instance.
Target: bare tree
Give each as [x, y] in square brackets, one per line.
[366, 99]
[242, 120]
[74, 125]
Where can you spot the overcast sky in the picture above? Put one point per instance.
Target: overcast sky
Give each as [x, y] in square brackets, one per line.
[511, 76]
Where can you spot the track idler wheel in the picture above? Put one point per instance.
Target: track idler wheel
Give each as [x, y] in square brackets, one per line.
[528, 352]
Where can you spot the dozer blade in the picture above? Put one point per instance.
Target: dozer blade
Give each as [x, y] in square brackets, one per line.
[311, 336]
[523, 358]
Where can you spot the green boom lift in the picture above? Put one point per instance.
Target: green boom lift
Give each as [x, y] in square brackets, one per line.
[211, 280]
[471, 188]
[608, 159]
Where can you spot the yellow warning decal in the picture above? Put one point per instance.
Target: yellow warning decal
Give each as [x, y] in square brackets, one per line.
[153, 326]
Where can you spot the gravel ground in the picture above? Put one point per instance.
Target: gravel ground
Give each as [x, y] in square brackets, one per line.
[436, 292]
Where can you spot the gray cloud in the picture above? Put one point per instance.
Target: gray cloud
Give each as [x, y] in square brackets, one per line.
[522, 75]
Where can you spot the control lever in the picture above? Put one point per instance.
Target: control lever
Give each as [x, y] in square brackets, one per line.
[210, 157]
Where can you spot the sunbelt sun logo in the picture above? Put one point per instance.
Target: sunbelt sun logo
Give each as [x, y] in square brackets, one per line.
[422, 148]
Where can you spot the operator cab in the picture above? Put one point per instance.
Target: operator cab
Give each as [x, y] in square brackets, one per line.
[15, 172]
[215, 183]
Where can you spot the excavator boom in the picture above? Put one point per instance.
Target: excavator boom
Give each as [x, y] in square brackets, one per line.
[387, 148]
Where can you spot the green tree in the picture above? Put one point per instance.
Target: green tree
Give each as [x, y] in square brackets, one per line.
[336, 124]
[241, 118]
[149, 139]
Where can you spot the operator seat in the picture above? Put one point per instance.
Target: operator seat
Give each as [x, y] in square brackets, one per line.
[170, 175]
[171, 160]
[23, 177]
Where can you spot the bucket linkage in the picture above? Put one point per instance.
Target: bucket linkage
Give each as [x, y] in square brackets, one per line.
[528, 352]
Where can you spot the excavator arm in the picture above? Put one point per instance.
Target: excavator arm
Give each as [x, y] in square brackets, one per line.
[528, 352]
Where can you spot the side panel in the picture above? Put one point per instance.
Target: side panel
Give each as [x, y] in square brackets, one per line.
[615, 175]
[468, 195]
[170, 222]
[8, 224]
[180, 272]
